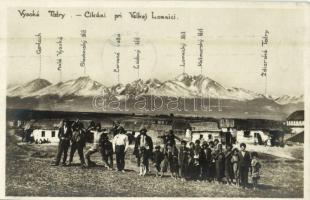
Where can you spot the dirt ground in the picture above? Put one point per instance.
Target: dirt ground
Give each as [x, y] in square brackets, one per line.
[28, 173]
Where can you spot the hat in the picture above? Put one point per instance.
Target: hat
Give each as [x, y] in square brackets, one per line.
[121, 129]
[183, 142]
[143, 130]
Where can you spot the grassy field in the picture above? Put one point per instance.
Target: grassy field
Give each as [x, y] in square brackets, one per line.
[28, 173]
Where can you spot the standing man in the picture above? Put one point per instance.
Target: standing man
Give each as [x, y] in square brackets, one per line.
[77, 142]
[64, 135]
[205, 160]
[244, 164]
[115, 127]
[146, 142]
[120, 145]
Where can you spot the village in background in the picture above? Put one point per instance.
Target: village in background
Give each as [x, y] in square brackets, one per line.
[42, 126]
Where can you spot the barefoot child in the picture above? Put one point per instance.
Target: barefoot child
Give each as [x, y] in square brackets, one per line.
[235, 166]
[255, 168]
[158, 157]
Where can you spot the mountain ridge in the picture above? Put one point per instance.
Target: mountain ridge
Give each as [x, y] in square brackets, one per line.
[183, 85]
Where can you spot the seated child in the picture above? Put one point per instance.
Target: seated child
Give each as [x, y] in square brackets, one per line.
[255, 168]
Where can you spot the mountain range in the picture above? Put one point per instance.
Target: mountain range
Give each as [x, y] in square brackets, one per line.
[184, 85]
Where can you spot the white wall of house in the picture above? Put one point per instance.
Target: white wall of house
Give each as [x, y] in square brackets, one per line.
[215, 135]
[51, 135]
[295, 123]
[297, 129]
[250, 139]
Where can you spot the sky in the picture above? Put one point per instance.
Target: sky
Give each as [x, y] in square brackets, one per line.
[231, 53]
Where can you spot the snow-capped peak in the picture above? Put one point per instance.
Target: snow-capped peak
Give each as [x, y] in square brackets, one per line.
[29, 87]
[82, 86]
[286, 99]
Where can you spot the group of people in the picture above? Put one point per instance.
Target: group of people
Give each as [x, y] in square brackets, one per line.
[200, 160]
[76, 135]
[42, 141]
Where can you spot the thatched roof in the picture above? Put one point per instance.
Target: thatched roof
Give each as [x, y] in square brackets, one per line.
[298, 115]
[204, 126]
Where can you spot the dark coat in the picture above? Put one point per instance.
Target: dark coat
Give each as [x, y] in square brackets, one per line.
[244, 161]
[64, 135]
[158, 157]
[78, 137]
[106, 147]
[220, 165]
[184, 156]
[205, 157]
[148, 141]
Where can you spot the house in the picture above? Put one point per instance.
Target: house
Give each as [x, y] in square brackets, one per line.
[46, 129]
[295, 121]
[50, 135]
[252, 136]
[179, 126]
[225, 123]
[205, 129]
[299, 137]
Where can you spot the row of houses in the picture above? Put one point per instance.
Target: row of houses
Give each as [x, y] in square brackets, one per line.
[244, 130]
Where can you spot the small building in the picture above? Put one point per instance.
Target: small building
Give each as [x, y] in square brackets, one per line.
[226, 123]
[46, 129]
[205, 129]
[179, 127]
[50, 135]
[299, 138]
[295, 121]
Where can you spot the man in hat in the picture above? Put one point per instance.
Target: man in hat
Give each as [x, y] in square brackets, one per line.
[77, 142]
[115, 127]
[143, 141]
[169, 139]
[120, 146]
[64, 135]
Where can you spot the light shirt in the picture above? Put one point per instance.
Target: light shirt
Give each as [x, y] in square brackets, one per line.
[120, 139]
[142, 141]
[243, 153]
[65, 129]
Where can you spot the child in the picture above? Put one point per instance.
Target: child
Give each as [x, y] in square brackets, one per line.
[205, 160]
[165, 163]
[228, 165]
[144, 160]
[106, 150]
[173, 162]
[184, 154]
[196, 165]
[255, 167]
[219, 163]
[212, 170]
[158, 157]
[191, 160]
[235, 165]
